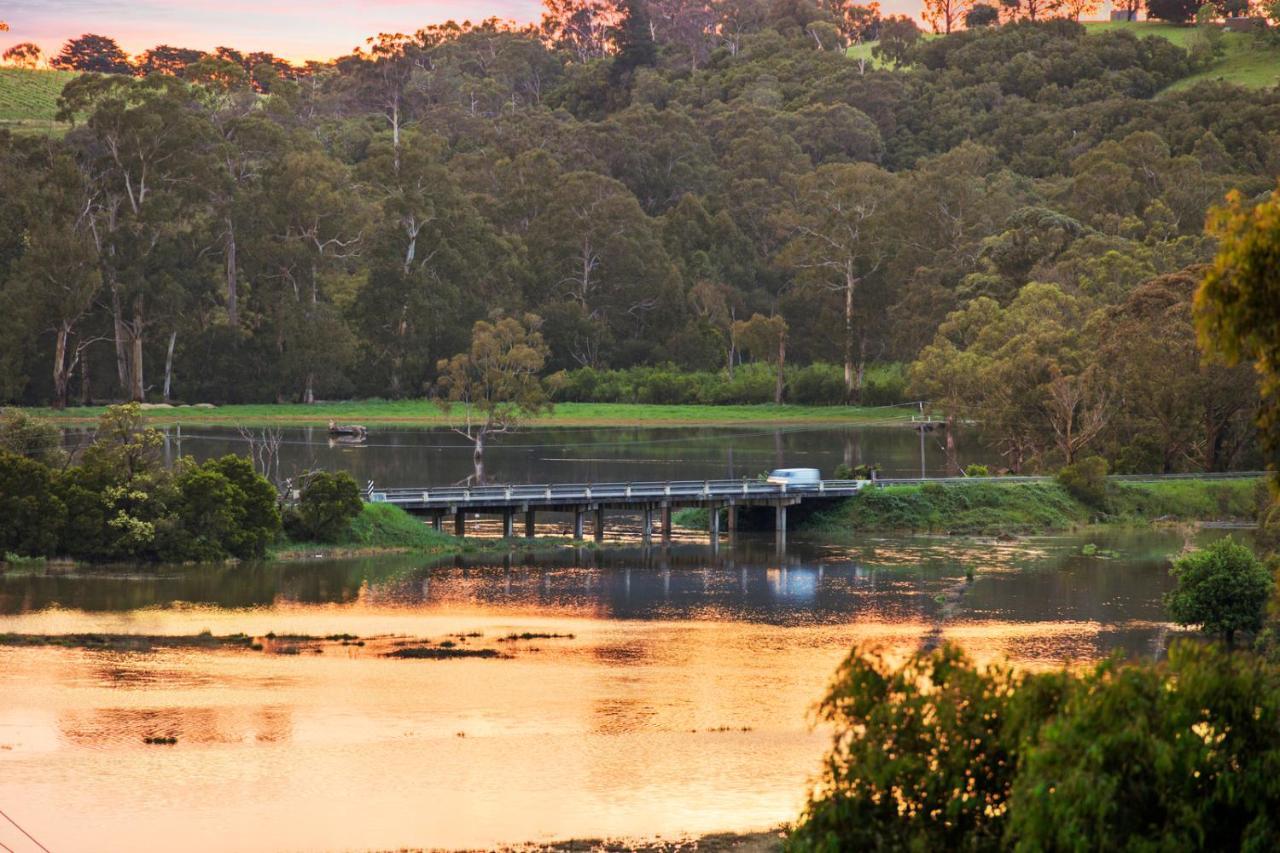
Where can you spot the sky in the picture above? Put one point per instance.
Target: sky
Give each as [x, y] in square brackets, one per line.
[294, 29]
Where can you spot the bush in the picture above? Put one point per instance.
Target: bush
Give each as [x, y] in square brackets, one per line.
[1221, 589]
[261, 523]
[977, 471]
[33, 438]
[31, 515]
[222, 508]
[1173, 757]
[938, 754]
[1086, 481]
[328, 504]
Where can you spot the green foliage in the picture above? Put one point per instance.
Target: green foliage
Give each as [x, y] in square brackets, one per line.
[1086, 480]
[1183, 752]
[923, 755]
[29, 98]
[328, 503]
[24, 435]
[31, 515]
[1221, 589]
[389, 526]
[939, 754]
[976, 470]
[222, 508]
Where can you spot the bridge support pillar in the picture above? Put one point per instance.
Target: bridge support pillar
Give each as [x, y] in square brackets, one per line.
[529, 529]
[578, 514]
[598, 528]
[780, 526]
[666, 525]
[459, 523]
[508, 523]
[713, 522]
[437, 521]
[731, 518]
[646, 531]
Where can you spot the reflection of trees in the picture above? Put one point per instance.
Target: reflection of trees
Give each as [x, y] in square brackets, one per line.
[96, 727]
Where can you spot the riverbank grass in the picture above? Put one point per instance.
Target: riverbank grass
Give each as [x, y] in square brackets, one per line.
[990, 507]
[387, 529]
[427, 414]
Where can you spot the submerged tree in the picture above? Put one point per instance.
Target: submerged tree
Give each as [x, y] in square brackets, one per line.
[496, 381]
[1222, 589]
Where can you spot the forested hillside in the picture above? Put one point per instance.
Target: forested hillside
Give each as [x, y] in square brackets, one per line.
[1013, 204]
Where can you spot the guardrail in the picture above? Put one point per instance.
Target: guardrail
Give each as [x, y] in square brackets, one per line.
[611, 492]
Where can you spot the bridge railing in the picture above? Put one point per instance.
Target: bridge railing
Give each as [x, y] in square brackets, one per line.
[588, 492]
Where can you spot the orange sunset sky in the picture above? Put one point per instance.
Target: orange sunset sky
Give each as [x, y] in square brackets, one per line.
[294, 29]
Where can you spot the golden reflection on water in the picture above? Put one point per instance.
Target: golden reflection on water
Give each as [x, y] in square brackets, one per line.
[635, 727]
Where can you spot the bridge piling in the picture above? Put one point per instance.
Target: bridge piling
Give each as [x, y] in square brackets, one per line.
[529, 528]
[459, 523]
[508, 523]
[646, 532]
[437, 521]
[666, 524]
[731, 518]
[597, 529]
[578, 513]
[780, 526]
[713, 520]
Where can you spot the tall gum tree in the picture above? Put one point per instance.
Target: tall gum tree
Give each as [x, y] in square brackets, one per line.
[841, 237]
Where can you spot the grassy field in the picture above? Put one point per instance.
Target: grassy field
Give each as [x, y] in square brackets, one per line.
[986, 508]
[1245, 62]
[423, 413]
[29, 100]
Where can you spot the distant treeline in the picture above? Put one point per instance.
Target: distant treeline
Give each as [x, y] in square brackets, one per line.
[727, 190]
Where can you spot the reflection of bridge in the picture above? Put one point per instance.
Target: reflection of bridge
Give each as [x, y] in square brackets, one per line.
[595, 498]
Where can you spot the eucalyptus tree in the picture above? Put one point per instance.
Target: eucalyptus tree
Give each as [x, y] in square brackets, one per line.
[842, 235]
[143, 150]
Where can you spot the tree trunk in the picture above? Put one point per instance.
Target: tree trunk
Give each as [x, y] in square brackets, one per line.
[782, 363]
[849, 282]
[60, 372]
[233, 284]
[477, 458]
[953, 459]
[168, 364]
[86, 391]
[309, 392]
[137, 390]
[122, 355]
[862, 369]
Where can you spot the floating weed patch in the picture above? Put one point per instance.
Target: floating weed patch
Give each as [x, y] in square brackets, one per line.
[162, 740]
[439, 653]
[529, 635]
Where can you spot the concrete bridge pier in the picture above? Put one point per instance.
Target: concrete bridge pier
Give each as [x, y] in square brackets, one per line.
[646, 521]
[666, 524]
[780, 527]
[437, 521]
[578, 514]
[459, 523]
[713, 522]
[731, 518]
[529, 528]
[598, 529]
[508, 523]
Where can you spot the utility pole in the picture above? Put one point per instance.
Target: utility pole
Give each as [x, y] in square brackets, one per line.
[924, 475]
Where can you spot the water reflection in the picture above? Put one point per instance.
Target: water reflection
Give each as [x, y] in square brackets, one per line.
[681, 703]
[411, 457]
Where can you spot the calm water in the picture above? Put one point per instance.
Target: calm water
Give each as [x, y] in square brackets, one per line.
[681, 704]
[412, 457]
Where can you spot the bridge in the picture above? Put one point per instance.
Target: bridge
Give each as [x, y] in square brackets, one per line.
[595, 499]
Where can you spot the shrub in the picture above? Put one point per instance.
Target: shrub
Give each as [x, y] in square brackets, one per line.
[1221, 589]
[23, 435]
[938, 754]
[1179, 756]
[1086, 481]
[816, 385]
[208, 515]
[31, 515]
[977, 471]
[328, 504]
[261, 522]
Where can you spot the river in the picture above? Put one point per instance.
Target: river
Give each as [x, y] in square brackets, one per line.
[436, 457]
[680, 704]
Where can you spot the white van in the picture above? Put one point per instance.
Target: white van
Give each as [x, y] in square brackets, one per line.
[795, 477]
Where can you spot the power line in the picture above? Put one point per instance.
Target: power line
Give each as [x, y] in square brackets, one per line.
[24, 832]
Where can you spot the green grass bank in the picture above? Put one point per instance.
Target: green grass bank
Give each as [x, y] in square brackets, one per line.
[387, 529]
[428, 414]
[989, 508]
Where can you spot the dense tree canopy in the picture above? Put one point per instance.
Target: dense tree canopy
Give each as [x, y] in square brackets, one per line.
[225, 227]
